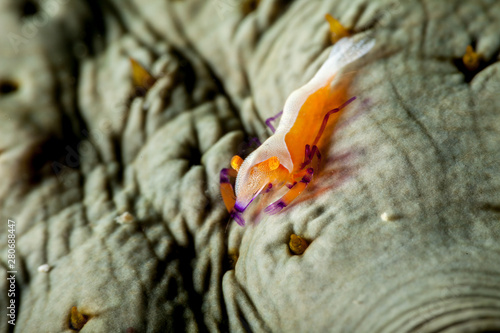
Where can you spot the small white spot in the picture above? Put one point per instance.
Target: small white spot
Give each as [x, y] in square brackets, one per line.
[389, 216]
[45, 268]
[125, 218]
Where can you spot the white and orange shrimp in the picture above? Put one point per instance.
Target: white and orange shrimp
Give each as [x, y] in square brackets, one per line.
[286, 158]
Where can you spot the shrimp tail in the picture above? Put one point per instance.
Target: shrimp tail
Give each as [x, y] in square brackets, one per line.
[343, 52]
[347, 50]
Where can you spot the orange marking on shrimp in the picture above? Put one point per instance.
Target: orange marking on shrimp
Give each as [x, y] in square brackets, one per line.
[291, 155]
[236, 162]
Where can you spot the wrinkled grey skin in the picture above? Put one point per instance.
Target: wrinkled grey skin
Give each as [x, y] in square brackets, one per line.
[419, 144]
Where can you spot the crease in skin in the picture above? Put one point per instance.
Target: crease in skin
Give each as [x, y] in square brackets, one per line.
[468, 290]
[248, 6]
[242, 311]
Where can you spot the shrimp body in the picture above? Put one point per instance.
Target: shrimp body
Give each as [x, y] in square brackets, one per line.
[286, 157]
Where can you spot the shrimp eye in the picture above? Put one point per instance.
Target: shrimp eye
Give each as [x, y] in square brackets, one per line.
[236, 162]
[273, 162]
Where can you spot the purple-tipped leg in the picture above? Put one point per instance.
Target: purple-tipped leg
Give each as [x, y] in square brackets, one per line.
[275, 207]
[238, 218]
[236, 214]
[269, 120]
[309, 155]
[225, 174]
[289, 196]
[308, 176]
[325, 119]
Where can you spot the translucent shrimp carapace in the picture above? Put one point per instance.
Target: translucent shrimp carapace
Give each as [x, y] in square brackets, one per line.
[291, 155]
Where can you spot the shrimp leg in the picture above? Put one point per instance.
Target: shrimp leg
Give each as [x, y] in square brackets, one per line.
[310, 152]
[268, 121]
[226, 189]
[309, 155]
[289, 196]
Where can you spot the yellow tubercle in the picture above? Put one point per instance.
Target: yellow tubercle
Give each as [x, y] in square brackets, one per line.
[297, 244]
[76, 319]
[337, 30]
[249, 6]
[236, 162]
[471, 59]
[232, 257]
[141, 78]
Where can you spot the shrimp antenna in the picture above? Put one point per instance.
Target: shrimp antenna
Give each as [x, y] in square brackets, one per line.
[269, 120]
[325, 119]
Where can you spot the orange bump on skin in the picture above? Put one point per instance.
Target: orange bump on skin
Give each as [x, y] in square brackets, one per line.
[232, 258]
[297, 244]
[249, 6]
[471, 59]
[337, 30]
[76, 319]
[236, 162]
[125, 218]
[141, 78]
